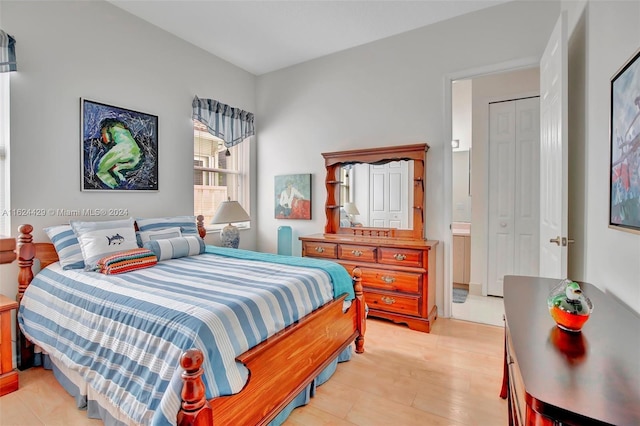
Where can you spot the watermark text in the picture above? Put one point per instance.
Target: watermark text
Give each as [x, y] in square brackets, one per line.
[58, 212]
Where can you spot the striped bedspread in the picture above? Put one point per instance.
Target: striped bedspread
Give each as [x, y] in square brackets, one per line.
[125, 333]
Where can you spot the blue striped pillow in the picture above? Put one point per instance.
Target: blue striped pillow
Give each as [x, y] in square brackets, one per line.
[187, 224]
[67, 246]
[173, 248]
[160, 234]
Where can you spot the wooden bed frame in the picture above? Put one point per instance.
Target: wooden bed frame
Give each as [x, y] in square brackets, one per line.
[279, 368]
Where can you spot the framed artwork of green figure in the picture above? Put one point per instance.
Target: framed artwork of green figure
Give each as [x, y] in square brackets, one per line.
[119, 148]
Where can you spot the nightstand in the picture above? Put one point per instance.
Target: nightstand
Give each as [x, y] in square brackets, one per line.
[8, 375]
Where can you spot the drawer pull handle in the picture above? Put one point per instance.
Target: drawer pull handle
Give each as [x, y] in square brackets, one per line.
[388, 300]
[356, 253]
[387, 279]
[399, 256]
[319, 249]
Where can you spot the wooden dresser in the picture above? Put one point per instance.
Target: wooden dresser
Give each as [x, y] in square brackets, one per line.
[396, 260]
[553, 377]
[398, 275]
[8, 375]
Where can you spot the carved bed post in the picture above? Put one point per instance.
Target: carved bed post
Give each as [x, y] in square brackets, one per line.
[202, 231]
[195, 409]
[26, 253]
[361, 309]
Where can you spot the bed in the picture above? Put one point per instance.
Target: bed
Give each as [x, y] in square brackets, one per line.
[188, 379]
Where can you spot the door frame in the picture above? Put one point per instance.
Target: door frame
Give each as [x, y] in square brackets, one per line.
[514, 65]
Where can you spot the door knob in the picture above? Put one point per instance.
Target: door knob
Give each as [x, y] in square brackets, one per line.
[562, 241]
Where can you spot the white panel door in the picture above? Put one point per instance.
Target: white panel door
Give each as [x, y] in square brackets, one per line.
[388, 205]
[527, 196]
[502, 136]
[554, 154]
[514, 139]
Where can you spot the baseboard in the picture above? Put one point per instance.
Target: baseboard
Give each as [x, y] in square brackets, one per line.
[475, 289]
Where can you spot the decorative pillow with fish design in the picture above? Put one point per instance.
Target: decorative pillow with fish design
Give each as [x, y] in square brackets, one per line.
[98, 239]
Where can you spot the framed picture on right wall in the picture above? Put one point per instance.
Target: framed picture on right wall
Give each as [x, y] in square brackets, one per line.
[624, 130]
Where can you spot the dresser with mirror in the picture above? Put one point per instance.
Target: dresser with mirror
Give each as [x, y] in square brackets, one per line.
[375, 221]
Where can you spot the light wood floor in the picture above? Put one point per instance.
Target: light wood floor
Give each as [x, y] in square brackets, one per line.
[451, 376]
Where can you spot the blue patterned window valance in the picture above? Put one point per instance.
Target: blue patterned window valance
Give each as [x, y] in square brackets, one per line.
[230, 124]
[7, 53]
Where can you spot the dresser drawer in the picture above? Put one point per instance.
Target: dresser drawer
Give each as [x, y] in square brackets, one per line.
[400, 256]
[354, 252]
[315, 249]
[392, 302]
[390, 280]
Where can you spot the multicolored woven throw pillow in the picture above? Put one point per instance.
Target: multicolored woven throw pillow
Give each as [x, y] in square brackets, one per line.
[128, 260]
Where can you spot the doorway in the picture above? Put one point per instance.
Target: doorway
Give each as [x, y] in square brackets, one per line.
[483, 88]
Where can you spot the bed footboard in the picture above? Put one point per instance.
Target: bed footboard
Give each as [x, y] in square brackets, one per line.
[275, 376]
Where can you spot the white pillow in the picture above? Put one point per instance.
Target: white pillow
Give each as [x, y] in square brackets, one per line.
[98, 239]
[160, 234]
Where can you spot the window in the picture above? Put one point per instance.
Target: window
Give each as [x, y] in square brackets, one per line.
[217, 176]
[5, 216]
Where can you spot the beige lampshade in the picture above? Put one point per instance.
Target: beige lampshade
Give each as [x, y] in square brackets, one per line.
[230, 212]
[351, 208]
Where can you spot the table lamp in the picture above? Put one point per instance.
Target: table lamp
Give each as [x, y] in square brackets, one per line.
[230, 212]
[351, 210]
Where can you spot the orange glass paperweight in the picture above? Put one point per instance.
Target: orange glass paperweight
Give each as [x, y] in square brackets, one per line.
[569, 307]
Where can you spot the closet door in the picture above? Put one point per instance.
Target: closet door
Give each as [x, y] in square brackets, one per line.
[514, 139]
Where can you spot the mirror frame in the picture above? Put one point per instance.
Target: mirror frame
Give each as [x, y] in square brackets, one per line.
[334, 160]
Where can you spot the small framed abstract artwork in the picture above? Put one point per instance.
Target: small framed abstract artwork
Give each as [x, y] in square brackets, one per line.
[119, 148]
[624, 201]
[293, 196]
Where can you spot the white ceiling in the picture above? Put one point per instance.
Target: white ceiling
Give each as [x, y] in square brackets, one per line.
[266, 35]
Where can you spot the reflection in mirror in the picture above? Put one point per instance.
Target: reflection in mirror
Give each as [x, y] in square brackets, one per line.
[377, 195]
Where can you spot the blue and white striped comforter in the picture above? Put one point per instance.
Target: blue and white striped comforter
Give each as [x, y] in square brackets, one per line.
[125, 333]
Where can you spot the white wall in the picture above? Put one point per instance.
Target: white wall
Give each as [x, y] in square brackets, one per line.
[384, 93]
[462, 130]
[612, 257]
[462, 114]
[461, 205]
[68, 50]
[390, 92]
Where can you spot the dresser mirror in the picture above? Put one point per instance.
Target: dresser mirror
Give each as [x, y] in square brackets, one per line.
[377, 192]
[377, 195]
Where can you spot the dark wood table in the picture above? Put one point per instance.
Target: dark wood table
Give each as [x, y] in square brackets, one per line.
[551, 376]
